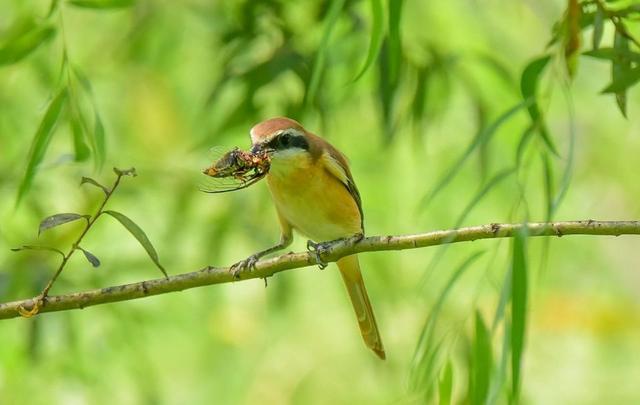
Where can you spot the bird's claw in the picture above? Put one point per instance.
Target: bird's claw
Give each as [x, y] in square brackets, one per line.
[318, 249]
[248, 263]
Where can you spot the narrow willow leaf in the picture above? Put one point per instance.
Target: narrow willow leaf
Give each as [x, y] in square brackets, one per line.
[445, 387]
[23, 40]
[41, 141]
[377, 33]
[84, 80]
[32, 247]
[613, 54]
[320, 59]
[620, 68]
[482, 363]
[500, 70]
[102, 4]
[522, 144]
[484, 190]
[424, 378]
[395, 40]
[139, 234]
[53, 7]
[59, 219]
[623, 81]
[95, 262]
[421, 94]
[528, 87]
[89, 180]
[547, 172]
[598, 28]
[505, 299]
[80, 148]
[98, 135]
[477, 198]
[501, 373]
[572, 40]
[518, 309]
[567, 173]
[484, 136]
[422, 369]
[386, 91]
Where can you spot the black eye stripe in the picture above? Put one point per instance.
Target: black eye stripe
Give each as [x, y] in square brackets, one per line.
[288, 141]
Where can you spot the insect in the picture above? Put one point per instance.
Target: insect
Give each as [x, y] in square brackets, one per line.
[235, 170]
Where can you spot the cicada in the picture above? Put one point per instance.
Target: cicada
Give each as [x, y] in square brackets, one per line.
[235, 170]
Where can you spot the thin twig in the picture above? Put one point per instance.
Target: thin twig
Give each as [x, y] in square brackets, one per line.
[41, 298]
[268, 267]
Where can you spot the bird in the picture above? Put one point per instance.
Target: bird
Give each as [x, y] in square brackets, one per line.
[314, 193]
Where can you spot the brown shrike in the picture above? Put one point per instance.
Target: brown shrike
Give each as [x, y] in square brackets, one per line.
[314, 193]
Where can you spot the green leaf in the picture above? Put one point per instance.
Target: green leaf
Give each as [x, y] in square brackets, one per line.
[53, 7]
[81, 150]
[547, 171]
[445, 387]
[89, 180]
[598, 28]
[613, 54]
[623, 81]
[483, 137]
[102, 4]
[518, 309]
[23, 38]
[482, 363]
[482, 192]
[423, 364]
[97, 138]
[505, 299]
[477, 198]
[565, 180]
[528, 87]
[32, 247]
[59, 219]
[84, 80]
[139, 234]
[318, 65]
[619, 69]
[95, 262]
[501, 70]
[420, 96]
[524, 141]
[572, 37]
[98, 135]
[502, 366]
[41, 141]
[395, 40]
[377, 33]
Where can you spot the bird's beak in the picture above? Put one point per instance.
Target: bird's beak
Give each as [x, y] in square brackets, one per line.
[256, 148]
[260, 148]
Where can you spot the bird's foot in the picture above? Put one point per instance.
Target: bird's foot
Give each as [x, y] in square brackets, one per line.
[321, 248]
[248, 263]
[318, 249]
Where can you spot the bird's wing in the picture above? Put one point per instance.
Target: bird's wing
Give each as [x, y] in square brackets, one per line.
[336, 165]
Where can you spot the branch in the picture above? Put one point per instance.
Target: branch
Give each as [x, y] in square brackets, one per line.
[268, 267]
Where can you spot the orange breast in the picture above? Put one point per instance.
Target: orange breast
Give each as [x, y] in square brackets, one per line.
[314, 202]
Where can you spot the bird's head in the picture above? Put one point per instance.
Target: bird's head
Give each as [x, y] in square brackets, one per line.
[283, 138]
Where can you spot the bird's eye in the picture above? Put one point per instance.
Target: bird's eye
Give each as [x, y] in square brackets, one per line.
[285, 140]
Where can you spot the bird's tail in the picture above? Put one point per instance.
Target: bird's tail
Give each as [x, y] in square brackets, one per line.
[350, 270]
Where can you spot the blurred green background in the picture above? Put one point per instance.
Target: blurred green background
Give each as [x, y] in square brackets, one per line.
[165, 81]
